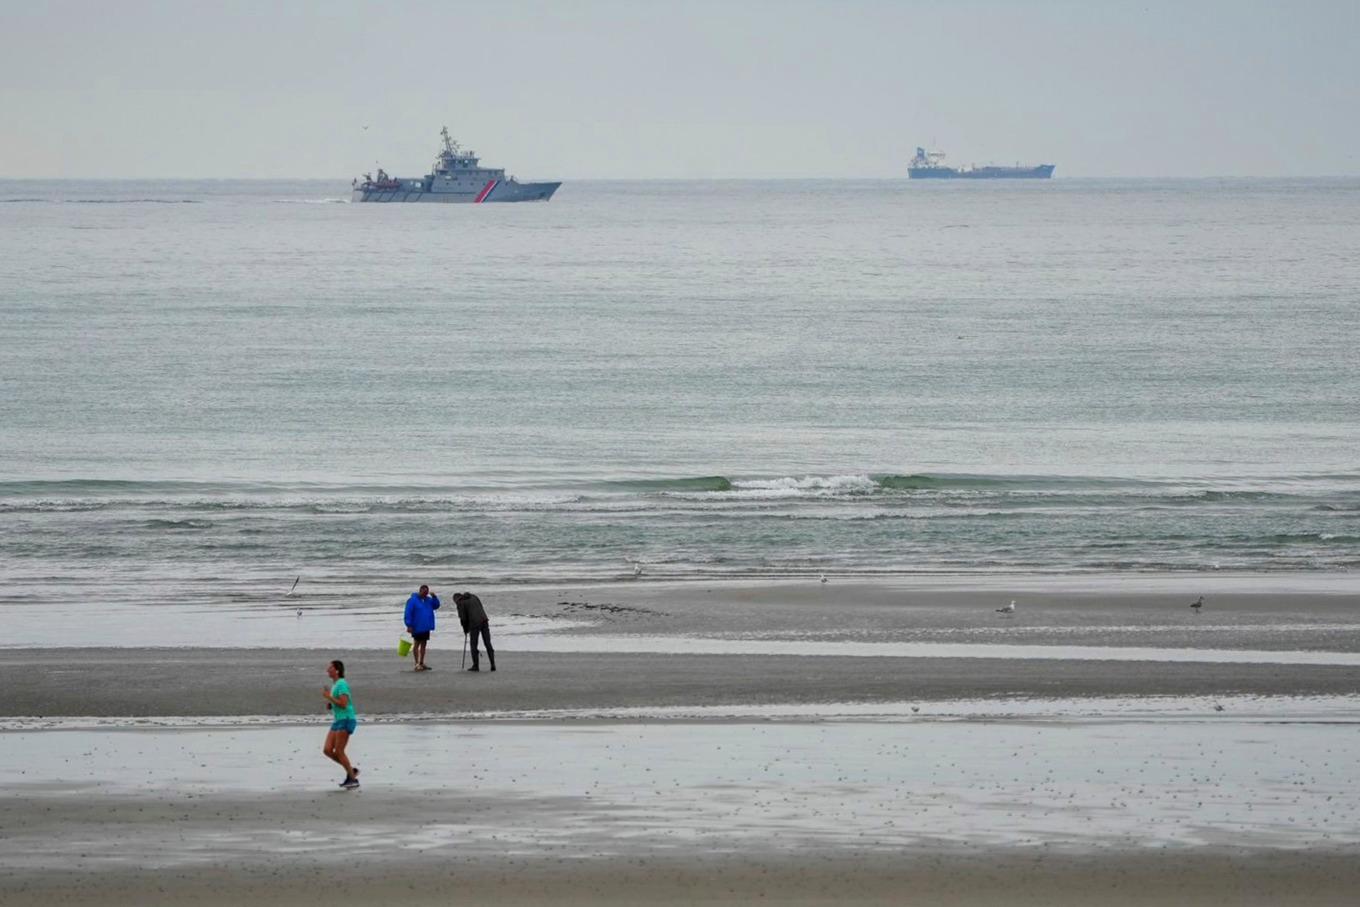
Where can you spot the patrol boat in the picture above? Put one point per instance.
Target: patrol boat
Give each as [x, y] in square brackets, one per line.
[457, 177]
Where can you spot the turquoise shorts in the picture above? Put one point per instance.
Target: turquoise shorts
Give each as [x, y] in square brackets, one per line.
[345, 724]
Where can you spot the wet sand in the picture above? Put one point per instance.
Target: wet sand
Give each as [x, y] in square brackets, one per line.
[1206, 809]
[982, 879]
[133, 682]
[639, 644]
[1270, 613]
[1229, 784]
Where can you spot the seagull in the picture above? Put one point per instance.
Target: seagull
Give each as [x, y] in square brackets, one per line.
[1009, 609]
[365, 129]
[1197, 604]
[299, 614]
[294, 586]
[823, 579]
[637, 569]
[1218, 706]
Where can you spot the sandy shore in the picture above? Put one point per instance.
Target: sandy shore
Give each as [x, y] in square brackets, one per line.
[1204, 877]
[637, 644]
[806, 764]
[1270, 613]
[132, 682]
[1206, 809]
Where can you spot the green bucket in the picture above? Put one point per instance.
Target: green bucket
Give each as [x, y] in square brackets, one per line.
[403, 647]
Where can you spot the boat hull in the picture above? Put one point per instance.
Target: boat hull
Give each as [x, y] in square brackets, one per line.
[494, 191]
[1041, 172]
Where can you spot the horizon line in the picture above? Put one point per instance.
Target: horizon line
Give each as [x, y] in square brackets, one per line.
[702, 179]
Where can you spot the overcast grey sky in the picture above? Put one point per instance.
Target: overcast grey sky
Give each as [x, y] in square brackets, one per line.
[746, 88]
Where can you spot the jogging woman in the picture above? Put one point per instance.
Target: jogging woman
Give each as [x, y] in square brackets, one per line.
[343, 722]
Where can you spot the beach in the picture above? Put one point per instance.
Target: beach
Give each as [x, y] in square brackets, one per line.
[860, 741]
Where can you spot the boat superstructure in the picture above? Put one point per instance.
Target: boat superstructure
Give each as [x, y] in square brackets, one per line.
[457, 176]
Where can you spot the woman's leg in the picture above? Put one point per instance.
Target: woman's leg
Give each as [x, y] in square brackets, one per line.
[338, 751]
[329, 750]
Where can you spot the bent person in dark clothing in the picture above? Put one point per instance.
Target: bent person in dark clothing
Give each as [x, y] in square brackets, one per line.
[472, 616]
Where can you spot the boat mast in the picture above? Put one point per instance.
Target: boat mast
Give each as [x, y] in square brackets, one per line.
[450, 146]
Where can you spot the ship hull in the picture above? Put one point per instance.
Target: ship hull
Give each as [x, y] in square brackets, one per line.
[493, 191]
[1041, 172]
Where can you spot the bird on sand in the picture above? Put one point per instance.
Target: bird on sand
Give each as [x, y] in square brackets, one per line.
[822, 578]
[299, 613]
[637, 569]
[1009, 609]
[1197, 604]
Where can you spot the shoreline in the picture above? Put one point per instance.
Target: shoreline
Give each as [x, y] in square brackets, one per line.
[254, 682]
[1244, 613]
[667, 645]
[582, 776]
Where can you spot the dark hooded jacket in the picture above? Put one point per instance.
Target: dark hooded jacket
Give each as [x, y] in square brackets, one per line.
[471, 614]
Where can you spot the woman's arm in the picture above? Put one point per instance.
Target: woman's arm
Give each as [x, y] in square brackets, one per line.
[342, 700]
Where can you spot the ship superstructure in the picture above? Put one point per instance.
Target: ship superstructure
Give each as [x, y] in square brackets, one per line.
[457, 176]
[929, 165]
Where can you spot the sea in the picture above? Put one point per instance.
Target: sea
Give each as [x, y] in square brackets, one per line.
[211, 388]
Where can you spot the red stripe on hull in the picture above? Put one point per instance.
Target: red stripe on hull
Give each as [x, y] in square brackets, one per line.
[486, 190]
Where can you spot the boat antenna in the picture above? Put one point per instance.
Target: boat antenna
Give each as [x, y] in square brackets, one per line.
[449, 144]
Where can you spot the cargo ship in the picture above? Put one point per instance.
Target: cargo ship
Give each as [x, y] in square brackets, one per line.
[929, 165]
[457, 176]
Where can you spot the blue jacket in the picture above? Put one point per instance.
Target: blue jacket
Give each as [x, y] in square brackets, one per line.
[420, 612]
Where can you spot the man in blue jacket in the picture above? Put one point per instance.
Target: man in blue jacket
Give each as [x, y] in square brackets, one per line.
[420, 608]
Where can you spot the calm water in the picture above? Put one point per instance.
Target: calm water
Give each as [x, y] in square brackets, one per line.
[212, 385]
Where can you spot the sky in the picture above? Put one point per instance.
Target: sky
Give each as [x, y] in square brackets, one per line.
[601, 89]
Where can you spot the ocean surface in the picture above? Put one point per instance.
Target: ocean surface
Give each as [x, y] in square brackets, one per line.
[212, 387]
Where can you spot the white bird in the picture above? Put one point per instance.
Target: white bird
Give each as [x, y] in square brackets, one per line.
[637, 569]
[823, 578]
[294, 586]
[1009, 609]
[1197, 604]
